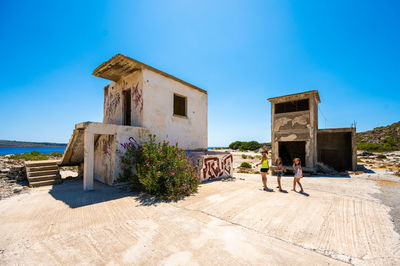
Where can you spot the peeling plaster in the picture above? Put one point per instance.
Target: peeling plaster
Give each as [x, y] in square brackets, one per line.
[301, 120]
[280, 122]
[291, 137]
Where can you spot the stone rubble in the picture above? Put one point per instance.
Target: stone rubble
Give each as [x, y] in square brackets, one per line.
[12, 178]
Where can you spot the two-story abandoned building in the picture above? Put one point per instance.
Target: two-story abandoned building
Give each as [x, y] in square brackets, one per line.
[295, 133]
[143, 100]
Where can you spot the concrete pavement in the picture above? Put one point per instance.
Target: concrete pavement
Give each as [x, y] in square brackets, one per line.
[225, 223]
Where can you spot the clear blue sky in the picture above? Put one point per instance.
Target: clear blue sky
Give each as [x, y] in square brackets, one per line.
[241, 52]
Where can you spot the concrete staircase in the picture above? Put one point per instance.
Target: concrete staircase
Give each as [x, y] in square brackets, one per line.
[43, 173]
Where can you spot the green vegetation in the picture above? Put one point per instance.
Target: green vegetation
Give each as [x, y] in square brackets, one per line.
[34, 156]
[159, 169]
[378, 147]
[245, 146]
[244, 156]
[380, 139]
[13, 143]
[245, 165]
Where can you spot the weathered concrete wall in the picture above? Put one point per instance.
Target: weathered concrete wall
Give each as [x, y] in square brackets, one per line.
[296, 126]
[104, 144]
[113, 103]
[152, 107]
[158, 93]
[104, 158]
[213, 166]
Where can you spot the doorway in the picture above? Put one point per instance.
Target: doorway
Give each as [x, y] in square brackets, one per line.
[288, 150]
[127, 107]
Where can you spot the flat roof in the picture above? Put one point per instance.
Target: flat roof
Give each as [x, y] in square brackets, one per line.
[305, 94]
[120, 66]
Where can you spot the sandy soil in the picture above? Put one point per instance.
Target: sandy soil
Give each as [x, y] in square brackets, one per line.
[338, 221]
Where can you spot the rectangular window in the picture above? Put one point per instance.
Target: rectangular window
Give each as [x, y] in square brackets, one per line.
[179, 105]
[296, 106]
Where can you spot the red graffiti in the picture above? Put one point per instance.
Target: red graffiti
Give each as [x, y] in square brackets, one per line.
[137, 97]
[227, 163]
[112, 104]
[106, 147]
[132, 142]
[211, 168]
[214, 167]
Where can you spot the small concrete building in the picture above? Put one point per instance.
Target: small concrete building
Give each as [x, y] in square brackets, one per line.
[295, 133]
[142, 100]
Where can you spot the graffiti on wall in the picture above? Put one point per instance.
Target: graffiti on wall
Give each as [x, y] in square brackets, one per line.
[131, 142]
[113, 101]
[216, 166]
[137, 97]
[106, 147]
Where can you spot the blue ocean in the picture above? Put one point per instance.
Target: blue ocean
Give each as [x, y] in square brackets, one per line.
[13, 150]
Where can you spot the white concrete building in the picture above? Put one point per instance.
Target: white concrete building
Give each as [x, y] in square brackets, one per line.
[141, 100]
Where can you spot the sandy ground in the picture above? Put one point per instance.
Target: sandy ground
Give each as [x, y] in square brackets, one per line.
[339, 221]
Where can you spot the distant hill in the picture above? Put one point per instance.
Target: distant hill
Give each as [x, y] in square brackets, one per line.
[385, 138]
[13, 143]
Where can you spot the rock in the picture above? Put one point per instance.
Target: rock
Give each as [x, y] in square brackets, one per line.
[17, 189]
[5, 170]
[366, 153]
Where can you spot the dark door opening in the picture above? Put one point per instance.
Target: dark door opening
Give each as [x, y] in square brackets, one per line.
[127, 107]
[335, 150]
[288, 150]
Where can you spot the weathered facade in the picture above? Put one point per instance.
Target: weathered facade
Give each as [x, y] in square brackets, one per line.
[142, 100]
[295, 133]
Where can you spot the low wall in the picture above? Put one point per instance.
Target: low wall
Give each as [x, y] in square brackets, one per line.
[212, 165]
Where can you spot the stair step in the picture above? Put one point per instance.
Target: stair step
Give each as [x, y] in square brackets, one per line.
[42, 173]
[45, 183]
[41, 163]
[43, 178]
[41, 168]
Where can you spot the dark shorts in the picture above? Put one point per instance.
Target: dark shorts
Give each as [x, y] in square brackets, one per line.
[279, 174]
[264, 170]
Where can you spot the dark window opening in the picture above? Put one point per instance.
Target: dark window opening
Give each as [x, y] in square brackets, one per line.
[288, 150]
[179, 105]
[127, 107]
[296, 106]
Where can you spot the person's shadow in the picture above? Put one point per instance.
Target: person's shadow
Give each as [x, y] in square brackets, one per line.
[304, 194]
[283, 191]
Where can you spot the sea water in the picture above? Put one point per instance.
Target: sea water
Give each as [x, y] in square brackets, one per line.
[13, 150]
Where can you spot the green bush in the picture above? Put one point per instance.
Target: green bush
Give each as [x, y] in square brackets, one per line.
[244, 156]
[34, 156]
[55, 154]
[372, 147]
[245, 165]
[159, 169]
[245, 146]
[235, 145]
